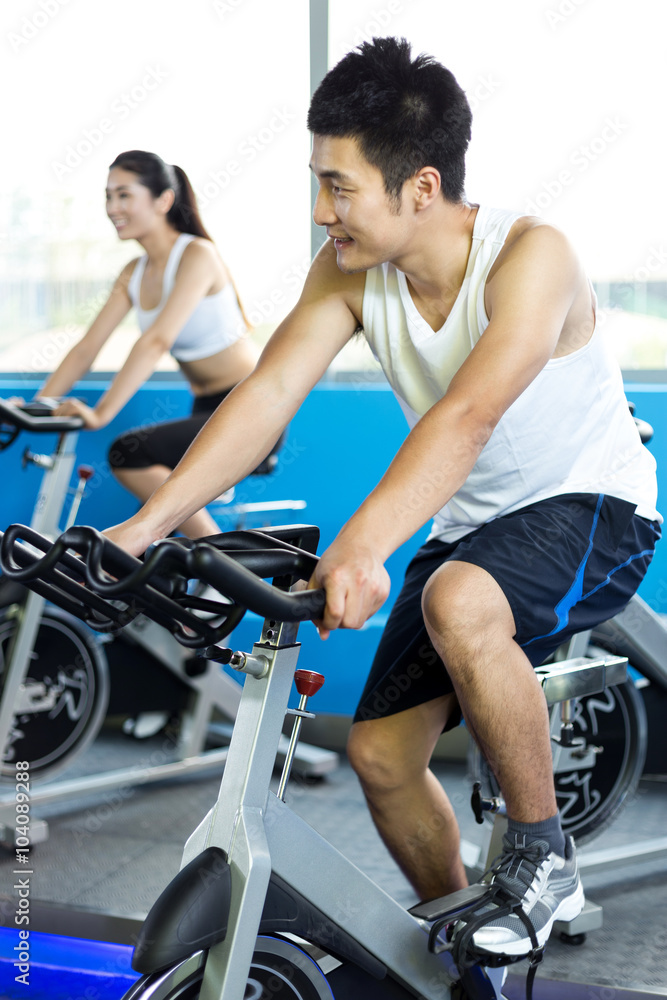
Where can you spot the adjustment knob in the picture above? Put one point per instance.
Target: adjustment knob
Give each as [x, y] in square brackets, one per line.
[308, 682]
[85, 472]
[221, 654]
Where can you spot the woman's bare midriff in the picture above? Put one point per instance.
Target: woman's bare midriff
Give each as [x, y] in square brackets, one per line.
[222, 370]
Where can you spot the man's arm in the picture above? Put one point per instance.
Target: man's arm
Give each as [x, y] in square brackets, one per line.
[528, 301]
[250, 419]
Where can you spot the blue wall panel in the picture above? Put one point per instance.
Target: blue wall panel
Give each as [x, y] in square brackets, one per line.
[651, 403]
[339, 444]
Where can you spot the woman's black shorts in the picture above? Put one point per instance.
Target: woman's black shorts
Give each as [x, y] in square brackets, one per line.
[166, 443]
[565, 564]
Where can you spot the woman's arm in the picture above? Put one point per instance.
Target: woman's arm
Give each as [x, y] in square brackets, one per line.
[79, 359]
[196, 273]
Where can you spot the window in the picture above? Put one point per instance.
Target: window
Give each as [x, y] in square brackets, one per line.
[567, 98]
[220, 87]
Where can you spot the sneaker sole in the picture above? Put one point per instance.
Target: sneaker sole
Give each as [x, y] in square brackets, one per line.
[568, 910]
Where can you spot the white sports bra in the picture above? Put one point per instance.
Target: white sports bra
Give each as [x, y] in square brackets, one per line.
[216, 322]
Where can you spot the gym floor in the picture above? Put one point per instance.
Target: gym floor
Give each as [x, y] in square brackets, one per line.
[108, 857]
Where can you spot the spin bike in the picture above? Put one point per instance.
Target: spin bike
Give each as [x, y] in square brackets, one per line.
[263, 906]
[59, 680]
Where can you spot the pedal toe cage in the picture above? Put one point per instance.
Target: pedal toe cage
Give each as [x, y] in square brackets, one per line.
[458, 916]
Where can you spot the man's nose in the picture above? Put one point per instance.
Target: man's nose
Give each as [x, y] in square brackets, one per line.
[323, 210]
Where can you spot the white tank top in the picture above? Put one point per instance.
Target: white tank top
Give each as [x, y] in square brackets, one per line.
[215, 323]
[570, 431]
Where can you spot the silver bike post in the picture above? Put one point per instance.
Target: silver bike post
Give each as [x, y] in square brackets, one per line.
[237, 821]
[46, 514]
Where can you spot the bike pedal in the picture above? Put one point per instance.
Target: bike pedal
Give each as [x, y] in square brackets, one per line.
[451, 906]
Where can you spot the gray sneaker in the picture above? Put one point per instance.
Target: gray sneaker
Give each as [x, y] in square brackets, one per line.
[547, 886]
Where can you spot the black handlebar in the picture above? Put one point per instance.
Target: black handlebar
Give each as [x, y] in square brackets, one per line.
[90, 576]
[37, 416]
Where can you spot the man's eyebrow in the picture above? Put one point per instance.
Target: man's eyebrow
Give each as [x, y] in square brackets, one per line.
[334, 175]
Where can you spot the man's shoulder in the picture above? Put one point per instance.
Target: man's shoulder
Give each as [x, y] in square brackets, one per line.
[531, 238]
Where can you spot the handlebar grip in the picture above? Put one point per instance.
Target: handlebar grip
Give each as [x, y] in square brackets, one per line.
[35, 416]
[249, 590]
[83, 539]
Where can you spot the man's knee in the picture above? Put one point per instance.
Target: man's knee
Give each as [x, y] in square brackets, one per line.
[372, 756]
[389, 753]
[464, 608]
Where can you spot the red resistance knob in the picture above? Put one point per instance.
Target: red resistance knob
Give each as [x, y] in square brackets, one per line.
[308, 682]
[85, 472]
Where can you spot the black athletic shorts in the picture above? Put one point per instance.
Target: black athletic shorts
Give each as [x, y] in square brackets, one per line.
[167, 442]
[565, 564]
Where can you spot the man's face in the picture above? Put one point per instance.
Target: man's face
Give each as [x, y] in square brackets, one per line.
[365, 224]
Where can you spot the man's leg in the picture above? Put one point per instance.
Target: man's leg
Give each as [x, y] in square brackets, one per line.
[409, 806]
[471, 626]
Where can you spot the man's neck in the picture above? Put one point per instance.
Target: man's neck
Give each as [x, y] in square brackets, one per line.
[436, 263]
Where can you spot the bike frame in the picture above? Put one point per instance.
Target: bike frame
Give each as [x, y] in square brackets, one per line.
[261, 837]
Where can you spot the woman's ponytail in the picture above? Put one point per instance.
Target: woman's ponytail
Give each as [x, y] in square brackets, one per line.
[184, 213]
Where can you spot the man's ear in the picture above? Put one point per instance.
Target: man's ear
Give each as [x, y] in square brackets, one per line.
[426, 187]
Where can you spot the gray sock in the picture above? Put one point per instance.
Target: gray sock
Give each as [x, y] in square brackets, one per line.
[547, 829]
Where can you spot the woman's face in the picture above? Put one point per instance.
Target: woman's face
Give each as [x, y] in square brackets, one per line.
[131, 206]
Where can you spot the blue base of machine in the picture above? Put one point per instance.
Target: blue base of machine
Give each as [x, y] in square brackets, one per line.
[63, 968]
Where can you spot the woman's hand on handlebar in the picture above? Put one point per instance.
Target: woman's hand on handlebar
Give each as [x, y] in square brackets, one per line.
[75, 408]
[356, 585]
